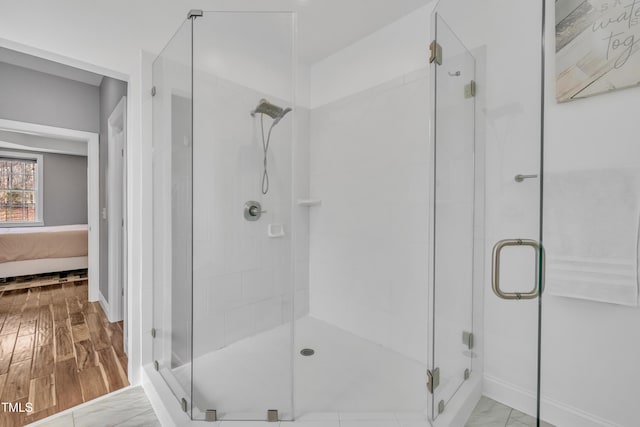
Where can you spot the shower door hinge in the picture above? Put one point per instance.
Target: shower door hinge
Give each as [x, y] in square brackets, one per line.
[194, 13]
[433, 379]
[183, 404]
[467, 339]
[272, 416]
[153, 332]
[470, 89]
[153, 91]
[435, 53]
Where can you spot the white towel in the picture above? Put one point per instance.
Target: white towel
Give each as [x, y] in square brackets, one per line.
[591, 232]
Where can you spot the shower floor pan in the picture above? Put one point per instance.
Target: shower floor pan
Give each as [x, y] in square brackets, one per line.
[347, 379]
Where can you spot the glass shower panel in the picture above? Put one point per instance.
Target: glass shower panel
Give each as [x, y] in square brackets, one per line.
[172, 214]
[513, 124]
[454, 198]
[243, 227]
[505, 37]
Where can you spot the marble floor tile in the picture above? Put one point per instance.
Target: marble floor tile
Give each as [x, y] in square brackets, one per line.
[371, 423]
[146, 419]
[413, 423]
[489, 413]
[367, 416]
[117, 409]
[129, 408]
[319, 416]
[410, 416]
[518, 419]
[248, 424]
[65, 420]
[316, 423]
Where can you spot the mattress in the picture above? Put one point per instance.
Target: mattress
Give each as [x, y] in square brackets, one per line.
[42, 266]
[27, 243]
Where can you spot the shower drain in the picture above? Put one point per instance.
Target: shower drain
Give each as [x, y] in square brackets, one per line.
[307, 352]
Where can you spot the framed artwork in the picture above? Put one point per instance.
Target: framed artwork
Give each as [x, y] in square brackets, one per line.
[597, 44]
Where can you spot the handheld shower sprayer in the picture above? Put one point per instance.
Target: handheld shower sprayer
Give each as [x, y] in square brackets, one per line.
[271, 110]
[276, 113]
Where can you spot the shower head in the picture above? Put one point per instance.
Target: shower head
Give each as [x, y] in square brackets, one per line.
[271, 110]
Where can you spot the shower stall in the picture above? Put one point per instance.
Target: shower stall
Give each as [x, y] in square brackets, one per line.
[375, 255]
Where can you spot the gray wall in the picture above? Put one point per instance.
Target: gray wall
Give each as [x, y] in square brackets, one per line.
[35, 97]
[65, 189]
[111, 92]
[31, 96]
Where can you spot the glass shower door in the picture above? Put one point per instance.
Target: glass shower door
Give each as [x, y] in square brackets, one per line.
[487, 213]
[453, 217]
[487, 220]
[172, 215]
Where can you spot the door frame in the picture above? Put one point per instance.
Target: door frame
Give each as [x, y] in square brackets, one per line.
[116, 208]
[93, 186]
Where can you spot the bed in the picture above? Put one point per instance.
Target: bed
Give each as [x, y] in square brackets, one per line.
[36, 250]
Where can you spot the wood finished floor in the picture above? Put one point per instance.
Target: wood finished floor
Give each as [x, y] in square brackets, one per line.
[57, 350]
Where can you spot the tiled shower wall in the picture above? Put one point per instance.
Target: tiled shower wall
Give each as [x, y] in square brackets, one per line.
[242, 282]
[369, 239]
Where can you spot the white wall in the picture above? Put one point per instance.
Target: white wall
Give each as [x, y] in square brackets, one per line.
[242, 281]
[369, 166]
[390, 52]
[579, 337]
[369, 239]
[589, 350]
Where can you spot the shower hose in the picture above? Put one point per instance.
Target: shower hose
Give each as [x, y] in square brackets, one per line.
[265, 148]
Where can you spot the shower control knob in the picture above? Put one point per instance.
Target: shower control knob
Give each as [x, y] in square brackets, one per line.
[253, 211]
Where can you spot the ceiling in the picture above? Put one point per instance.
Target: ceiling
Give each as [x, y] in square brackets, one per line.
[324, 26]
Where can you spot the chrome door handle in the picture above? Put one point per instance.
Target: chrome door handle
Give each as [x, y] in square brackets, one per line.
[495, 269]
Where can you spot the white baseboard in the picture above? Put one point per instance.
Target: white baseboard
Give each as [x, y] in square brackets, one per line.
[105, 306]
[552, 411]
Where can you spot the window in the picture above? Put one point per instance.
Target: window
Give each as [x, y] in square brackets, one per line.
[20, 189]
